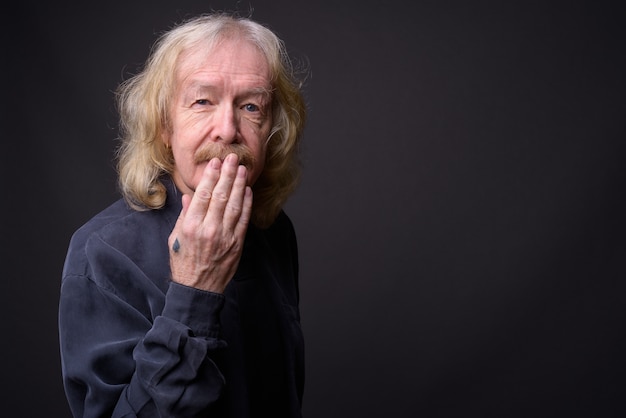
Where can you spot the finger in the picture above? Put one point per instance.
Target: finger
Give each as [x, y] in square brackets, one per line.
[203, 194]
[222, 190]
[186, 199]
[234, 207]
[246, 212]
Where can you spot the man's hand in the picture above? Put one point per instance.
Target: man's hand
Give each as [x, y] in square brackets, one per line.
[207, 240]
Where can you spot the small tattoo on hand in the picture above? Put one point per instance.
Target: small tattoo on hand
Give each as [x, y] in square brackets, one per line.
[176, 245]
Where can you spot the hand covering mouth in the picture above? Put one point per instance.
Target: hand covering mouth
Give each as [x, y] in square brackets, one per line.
[210, 151]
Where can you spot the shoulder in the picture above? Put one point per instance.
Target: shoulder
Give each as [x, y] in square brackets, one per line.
[117, 231]
[281, 241]
[281, 233]
[120, 224]
[102, 224]
[282, 225]
[283, 249]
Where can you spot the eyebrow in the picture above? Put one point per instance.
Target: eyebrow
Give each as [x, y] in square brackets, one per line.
[262, 91]
[200, 87]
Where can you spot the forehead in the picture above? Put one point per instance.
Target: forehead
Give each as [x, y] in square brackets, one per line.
[230, 58]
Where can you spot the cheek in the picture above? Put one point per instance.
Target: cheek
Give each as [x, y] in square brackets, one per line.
[184, 143]
[184, 159]
[258, 169]
[258, 166]
[188, 130]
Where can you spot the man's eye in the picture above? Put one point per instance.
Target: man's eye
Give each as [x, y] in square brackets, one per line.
[251, 107]
[202, 102]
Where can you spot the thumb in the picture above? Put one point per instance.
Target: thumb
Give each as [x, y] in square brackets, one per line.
[186, 199]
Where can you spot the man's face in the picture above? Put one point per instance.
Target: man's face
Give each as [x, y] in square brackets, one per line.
[222, 103]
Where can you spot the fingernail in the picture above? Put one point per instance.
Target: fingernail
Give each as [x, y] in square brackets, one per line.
[231, 158]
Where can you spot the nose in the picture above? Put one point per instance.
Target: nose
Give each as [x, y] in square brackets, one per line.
[224, 124]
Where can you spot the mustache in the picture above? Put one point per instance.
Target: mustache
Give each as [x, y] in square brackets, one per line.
[213, 150]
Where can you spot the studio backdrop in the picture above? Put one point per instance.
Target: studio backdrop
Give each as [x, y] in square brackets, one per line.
[461, 215]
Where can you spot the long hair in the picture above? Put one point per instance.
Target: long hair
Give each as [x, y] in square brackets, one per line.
[144, 102]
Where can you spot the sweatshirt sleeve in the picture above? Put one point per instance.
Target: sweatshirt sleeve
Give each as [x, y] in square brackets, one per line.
[119, 362]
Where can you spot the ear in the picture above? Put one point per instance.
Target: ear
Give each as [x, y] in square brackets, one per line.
[165, 139]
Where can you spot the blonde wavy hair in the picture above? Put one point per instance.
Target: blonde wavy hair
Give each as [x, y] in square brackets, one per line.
[144, 102]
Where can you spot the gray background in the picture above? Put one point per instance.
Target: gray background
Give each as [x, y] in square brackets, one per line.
[461, 218]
